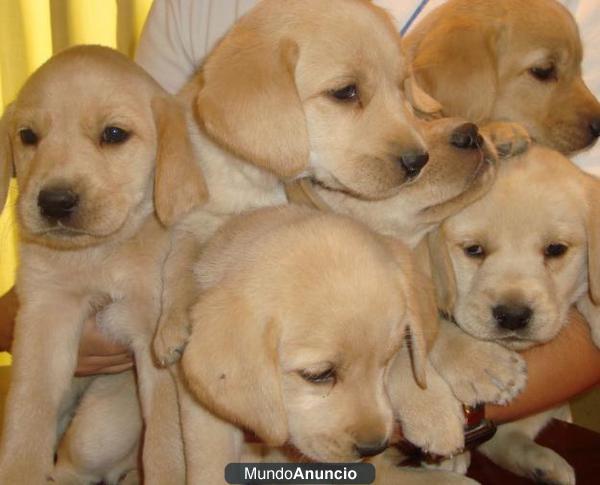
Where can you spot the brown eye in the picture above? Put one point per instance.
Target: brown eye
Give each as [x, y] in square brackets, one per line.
[545, 73]
[555, 250]
[347, 93]
[114, 135]
[28, 137]
[474, 251]
[320, 378]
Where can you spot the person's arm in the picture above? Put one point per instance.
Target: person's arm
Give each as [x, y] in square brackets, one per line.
[97, 354]
[557, 371]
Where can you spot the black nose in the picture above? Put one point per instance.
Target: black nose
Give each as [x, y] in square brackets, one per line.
[466, 136]
[371, 449]
[413, 162]
[595, 127]
[512, 317]
[57, 203]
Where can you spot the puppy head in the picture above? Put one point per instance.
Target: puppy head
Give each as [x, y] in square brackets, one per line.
[311, 87]
[511, 264]
[511, 60]
[295, 343]
[88, 134]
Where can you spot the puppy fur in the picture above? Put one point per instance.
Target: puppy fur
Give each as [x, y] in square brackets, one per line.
[285, 295]
[530, 244]
[104, 253]
[512, 60]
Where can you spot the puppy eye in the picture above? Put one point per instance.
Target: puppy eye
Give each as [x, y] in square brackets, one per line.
[347, 93]
[555, 250]
[474, 251]
[545, 73]
[28, 137]
[114, 135]
[320, 378]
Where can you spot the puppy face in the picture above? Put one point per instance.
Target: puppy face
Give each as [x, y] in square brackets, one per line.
[310, 338]
[519, 61]
[87, 137]
[519, 256]
[461, 169]
[310, 87]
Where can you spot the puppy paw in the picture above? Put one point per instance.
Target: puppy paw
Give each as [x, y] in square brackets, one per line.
[482, 372]
[509, 139]
[434, 421]
[551, 468]
[171, 338]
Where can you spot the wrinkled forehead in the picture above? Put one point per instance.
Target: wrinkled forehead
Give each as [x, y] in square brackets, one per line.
[541, 196]
[86, 83]
[547, 30]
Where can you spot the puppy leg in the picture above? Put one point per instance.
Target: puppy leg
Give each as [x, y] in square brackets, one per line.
[509, 139]
[162, 451]
[102, 442]
[513, 448]
[45, 351]
[477, 371]
[179, 292]
[431, 418]
[209, 443]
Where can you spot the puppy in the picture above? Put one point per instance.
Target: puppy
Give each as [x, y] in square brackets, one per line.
[512, 60]
[104, 165]
[314, 307]
[511, 265]
[305, 88]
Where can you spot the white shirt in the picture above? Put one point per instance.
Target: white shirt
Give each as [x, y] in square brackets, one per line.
[179, 33]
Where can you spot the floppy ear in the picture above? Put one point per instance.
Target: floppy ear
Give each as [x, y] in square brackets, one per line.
[423, 104]
[249, 102]
[593, 242]
[231, 364]
[455, 63]
[421, 311]
[6, 157]
[442, 271]
[179, 185]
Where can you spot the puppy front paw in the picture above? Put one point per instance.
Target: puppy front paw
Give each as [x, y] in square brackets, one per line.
[171, 338]
[434, 419]
[552, 468]
[482, 372]
[509, 139]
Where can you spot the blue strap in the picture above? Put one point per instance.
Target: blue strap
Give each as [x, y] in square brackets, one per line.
[413, 17]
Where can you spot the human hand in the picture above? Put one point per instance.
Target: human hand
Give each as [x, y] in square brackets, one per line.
[98, 354]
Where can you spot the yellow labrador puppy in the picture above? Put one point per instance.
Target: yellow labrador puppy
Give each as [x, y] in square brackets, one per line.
[510, 266]
[104, 165]
[299, 88]
[511, 60]
[297, 322]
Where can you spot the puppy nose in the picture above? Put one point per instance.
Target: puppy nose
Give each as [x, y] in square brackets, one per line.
[595, 127]
[371, 449]
[413, 162]
[512, 317]
[57, 203]
[466, 136]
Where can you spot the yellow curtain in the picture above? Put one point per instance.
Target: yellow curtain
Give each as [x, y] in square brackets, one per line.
[30, 32]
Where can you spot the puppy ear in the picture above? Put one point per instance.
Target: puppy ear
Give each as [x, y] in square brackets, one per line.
[421, 311]
[593, 242]
[442, 271]
[179, 185]
[249, 102]
[232, 366]
[6, 157]
[455, 63]
[423, 104]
